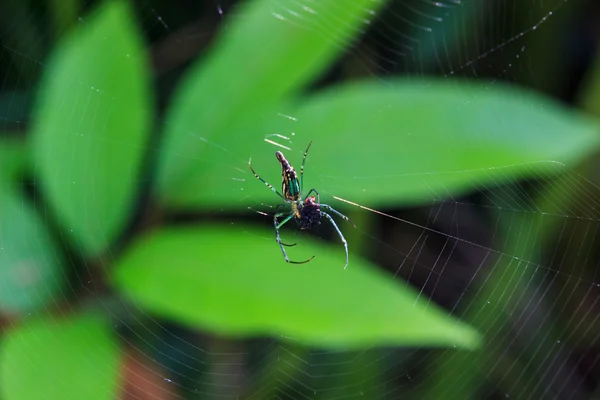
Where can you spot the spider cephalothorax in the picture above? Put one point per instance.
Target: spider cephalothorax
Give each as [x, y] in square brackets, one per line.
[307, 213]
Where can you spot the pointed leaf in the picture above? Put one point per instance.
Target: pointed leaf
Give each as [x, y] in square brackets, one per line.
[91, 125]
[410, 142]
[234, 281]
[271, 49]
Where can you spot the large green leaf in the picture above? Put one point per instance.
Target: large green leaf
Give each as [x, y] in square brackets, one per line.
[232, 280]
[60, 359]
[271, 49]
[400, 143]
[31, 271]
[91, 124]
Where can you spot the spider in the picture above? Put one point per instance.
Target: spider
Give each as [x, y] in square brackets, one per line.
[306, 212]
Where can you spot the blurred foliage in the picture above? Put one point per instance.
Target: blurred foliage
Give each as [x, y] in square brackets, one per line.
[224, 296]
[88, 148]
[87, 355]
[97, 228]
[443, 117]
[32, 270]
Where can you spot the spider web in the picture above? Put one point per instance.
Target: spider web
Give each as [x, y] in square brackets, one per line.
[522, 271]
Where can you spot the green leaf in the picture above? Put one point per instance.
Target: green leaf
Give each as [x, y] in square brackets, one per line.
[91, 124]
[280, 45]
[234, 281]
[401, 143]
[14, 158]
[60, 359]
[30, 265]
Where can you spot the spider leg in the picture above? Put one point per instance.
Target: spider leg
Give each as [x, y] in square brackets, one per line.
[281, 244]
[301, 262]
[328, 207]
[277, 226]
[282, 214]
[315, 192]
[339, 233]
[265, 182]
[302, 167]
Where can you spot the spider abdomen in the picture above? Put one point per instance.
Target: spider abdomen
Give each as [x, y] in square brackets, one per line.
[310, 213]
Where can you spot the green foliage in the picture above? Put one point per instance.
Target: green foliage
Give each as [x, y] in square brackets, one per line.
[90, 127]
[247, 292]
[217, 99]
[453, 137]
[13, 159]
[75, 358]
[32, 270]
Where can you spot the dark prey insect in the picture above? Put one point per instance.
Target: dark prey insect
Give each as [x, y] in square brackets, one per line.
[306, 212]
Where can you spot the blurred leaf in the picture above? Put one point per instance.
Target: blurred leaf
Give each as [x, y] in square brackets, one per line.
[409, 142]
[247, 289]
[281, 46]
[13, 158]
[91, 125]
[66, 359]
[30, 266]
